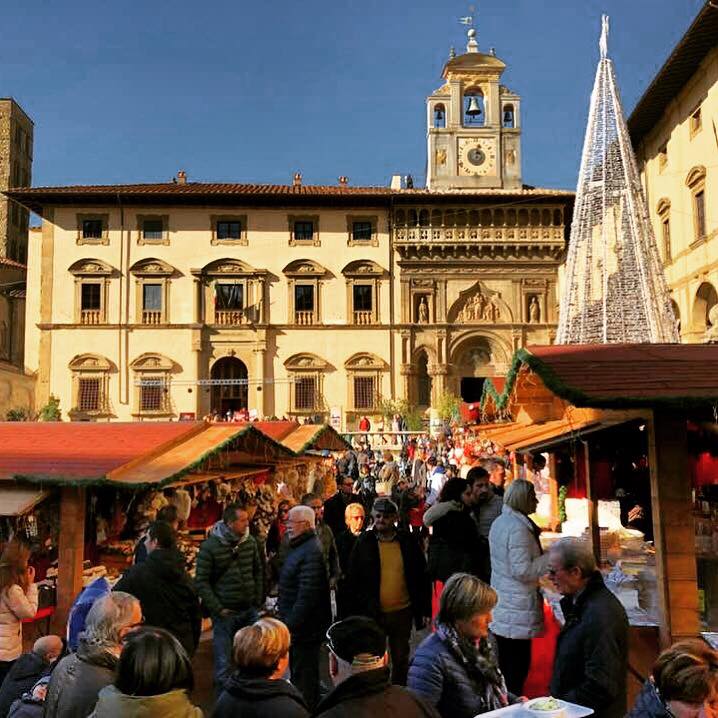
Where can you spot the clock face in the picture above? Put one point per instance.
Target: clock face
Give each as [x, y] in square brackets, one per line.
[477, 156]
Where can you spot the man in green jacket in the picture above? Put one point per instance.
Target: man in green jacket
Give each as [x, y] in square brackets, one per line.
[230, 582]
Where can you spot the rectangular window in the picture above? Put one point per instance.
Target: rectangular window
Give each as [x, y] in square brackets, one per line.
[666, 230]
[304, 298]
[90, 296]
[229, 296]
[152, 297]
[364, 392]
[305, 392]
[151, 393]
[152, 229]
[303, 231]
[363, 297]
[699, 211]
[696, 121]
[89, 394]
[361, 231]
[229, 230]
[92, 229]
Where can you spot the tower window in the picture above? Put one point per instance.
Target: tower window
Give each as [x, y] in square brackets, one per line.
[509, 118]
[439, 116]
[474, 109]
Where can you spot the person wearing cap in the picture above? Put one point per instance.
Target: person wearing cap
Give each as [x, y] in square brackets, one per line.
[389, 583]
[357, 666]
[303, 602]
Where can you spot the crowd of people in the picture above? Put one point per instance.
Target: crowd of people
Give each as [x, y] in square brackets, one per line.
[337, 591]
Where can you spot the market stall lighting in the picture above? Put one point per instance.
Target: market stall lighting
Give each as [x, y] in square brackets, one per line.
[212, 382]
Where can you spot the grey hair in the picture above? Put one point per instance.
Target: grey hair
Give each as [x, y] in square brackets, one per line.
[518, 495]
[107, 617]
[351, 508]
[464, 596]
[575, 553]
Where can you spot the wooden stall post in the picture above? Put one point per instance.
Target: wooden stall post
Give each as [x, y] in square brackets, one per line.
[594, 530]
[71, 553]
[673, 527]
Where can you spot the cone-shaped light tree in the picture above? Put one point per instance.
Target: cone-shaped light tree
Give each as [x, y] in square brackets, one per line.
[615, 290]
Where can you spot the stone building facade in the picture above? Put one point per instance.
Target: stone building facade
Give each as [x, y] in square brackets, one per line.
[179, 299]
[16, 142]
[673, 130]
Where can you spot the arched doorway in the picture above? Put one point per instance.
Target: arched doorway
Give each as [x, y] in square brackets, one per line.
[676, 314]
[473, 362]
[232, 393]
[706, 299]
[423, 381]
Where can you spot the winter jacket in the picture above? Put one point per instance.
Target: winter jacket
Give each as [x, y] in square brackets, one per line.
[76, 681]
[81, 607]
[334, 509]
[175, 704]
[591, 651]
[517, 564]
[229, 572]
[453, 546]
[303, 601]
[365, 576]
[26, 707]
[24, 674]
[329, 552]
[648, 703]
[370, 694]
[15, 605]
[167, 595]
[259, 698]
[438, 677]
[345, 545]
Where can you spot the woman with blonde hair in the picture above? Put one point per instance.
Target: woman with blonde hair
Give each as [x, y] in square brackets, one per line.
[257, 688]
[517, 563]
[684, 683]
[18, 600]
[455, 668]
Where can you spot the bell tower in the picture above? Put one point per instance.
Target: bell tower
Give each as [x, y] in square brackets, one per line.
[473, 125]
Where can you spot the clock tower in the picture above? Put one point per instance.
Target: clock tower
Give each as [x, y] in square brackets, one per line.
[474, 125]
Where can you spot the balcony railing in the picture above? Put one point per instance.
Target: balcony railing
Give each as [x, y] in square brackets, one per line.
[91, 316]
[304, 318]
[364, 317]
[230, 317]
[152, 316]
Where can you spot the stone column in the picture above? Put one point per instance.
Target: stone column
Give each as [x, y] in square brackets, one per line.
[258, 388]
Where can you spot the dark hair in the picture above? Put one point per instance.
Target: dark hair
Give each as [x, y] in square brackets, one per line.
[163, 533]
[453, 489]
[229, 515]
[475, 473]
[686, 672]
[309, 497]
[168, 514]
[152, 662]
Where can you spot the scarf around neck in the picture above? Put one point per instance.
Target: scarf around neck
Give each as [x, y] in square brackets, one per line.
[480, 664]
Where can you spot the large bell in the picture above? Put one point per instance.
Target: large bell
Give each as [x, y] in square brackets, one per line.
[508, 118]
[473, 110]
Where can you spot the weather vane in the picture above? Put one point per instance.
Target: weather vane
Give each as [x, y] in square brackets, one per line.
[468, 19]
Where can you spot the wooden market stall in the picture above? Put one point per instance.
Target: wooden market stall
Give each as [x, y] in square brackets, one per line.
[633, 410]
[138, 461]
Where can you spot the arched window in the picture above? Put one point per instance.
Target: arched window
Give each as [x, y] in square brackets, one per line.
[90, 387]
[152, 385]
[474, 108]
[696, 182]
[509, 117]
[230, 385]
[706, 299]
[364, 372]
[439, 116]
[306, 373]
[92, 283]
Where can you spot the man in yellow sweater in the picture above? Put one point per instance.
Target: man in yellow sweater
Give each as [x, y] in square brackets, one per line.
[389, 583]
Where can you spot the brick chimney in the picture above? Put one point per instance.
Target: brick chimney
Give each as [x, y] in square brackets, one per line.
[297, 179]
[181, 177]
[343, 181]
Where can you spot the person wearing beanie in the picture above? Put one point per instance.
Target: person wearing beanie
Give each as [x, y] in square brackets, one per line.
[358, 668]
[388, 582]
[304, 604]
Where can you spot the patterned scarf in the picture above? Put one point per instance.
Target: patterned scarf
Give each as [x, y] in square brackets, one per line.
[480, 664]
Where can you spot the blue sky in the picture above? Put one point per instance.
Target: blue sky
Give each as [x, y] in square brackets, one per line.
[250, 92]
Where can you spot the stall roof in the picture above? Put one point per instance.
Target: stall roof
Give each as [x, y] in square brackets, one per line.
[315, 437]
[678, 376]
[18, 500]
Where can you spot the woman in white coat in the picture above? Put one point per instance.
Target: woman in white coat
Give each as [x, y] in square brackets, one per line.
[517, 563]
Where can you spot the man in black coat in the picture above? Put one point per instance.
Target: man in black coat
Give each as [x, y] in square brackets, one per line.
[164, 589]
[335, 506]
[303, 601]
[354, 518]
[591, 661]
[389, 583]
[28, 669]
[357, 665]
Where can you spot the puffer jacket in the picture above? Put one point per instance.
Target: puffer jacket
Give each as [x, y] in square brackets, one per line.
[303, 602]
[229, 572]
[76, 681]
[437, 676]
[516, 566]
[259, 698]
[175, 704]
[15, 605]
[648, 703]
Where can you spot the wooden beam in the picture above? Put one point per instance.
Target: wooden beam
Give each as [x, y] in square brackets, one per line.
[673, 528]
[594, 530]
[71, 553]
